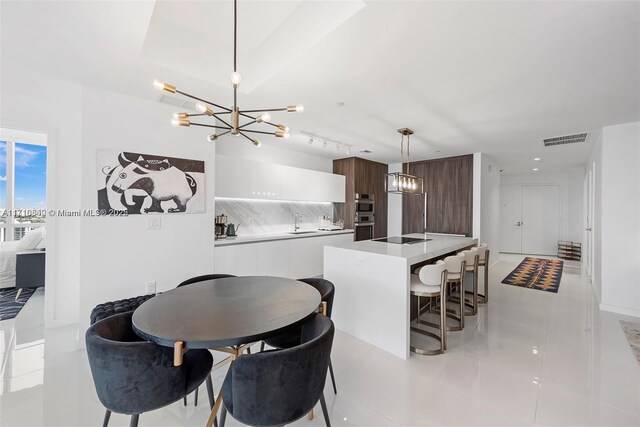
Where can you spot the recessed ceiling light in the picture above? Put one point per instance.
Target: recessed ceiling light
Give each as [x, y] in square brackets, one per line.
[537, 159]
[535, 169]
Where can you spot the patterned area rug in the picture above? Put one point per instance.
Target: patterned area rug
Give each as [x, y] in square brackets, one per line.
[9, 307]
[537, 273]
[632, 331]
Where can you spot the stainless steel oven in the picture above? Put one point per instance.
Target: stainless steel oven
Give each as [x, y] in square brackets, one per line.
[363, 231]
[365, 204]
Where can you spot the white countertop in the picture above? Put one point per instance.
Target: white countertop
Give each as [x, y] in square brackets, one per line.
[415, 252]
[255, 238]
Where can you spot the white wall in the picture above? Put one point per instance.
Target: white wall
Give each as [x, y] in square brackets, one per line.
[269, 152]
[489, 221]
[54, 108]
[620, 229]
[571, 192]
[118, 254]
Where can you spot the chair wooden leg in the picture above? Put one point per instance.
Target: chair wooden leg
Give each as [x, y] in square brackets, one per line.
[324, 411]
[223, 415]
[333, 378]
[486, 281]
[107, 416]
[134, 420]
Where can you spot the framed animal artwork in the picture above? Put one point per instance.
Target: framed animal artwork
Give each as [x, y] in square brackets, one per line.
[138, 183]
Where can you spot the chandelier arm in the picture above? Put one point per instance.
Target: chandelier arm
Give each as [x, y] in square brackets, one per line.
[223, 133]
[226, 124]
[408, 154]
[272, 124]
[250, 139]
[209, 126]
[247, 124]
[202, 100]
[258, 131]
[260, 111]
[246, 115]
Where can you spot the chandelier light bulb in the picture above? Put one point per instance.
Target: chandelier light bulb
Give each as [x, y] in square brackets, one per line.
[175, 121]
[282, 134]
[204, 109]
[395, 182]
[256, 143]
[212, 137]
[164, 86]
[283, 127]
[263, 117]
[236, 78]
[295, 108]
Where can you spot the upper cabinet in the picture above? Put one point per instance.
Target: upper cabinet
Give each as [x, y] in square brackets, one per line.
[248, 179]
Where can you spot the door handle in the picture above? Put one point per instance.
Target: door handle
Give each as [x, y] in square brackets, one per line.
[518, 223]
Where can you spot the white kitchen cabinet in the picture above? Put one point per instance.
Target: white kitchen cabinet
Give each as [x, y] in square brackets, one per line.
[241, 178]
[265, 180]
[295, 258]
[232, 179]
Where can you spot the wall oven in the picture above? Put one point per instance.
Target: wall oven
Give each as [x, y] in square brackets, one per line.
[363, 231]
[364, 203]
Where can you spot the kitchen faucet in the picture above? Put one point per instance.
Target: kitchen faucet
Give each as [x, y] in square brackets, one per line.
[297, 217]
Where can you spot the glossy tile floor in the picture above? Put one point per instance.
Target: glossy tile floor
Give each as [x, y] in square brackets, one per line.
[531, 358]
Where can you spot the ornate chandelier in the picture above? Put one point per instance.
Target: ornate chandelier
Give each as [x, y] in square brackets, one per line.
[401, 182]
[211, 109]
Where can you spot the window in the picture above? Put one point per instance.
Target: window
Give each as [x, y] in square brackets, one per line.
[23, 181]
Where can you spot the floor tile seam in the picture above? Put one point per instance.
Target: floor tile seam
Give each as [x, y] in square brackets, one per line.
[590, 397]
[477, 400]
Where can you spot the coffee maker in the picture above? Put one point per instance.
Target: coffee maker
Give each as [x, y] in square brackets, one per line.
[221, 225]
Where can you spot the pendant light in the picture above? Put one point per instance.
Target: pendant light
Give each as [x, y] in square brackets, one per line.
[231, 123]
[403, 182]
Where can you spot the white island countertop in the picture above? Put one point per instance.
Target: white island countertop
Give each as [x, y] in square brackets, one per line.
[256, 238]
[439, 244]
[373, 284]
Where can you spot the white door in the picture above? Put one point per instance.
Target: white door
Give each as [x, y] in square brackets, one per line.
[540, 219]
[511, 219]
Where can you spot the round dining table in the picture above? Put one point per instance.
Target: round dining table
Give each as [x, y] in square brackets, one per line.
[226, 314]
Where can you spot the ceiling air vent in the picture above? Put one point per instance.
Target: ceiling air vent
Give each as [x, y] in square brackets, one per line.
[567, 139]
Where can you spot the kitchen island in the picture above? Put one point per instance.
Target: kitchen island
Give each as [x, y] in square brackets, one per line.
[372, 280]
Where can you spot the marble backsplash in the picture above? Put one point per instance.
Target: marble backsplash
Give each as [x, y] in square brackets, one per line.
[266, 217]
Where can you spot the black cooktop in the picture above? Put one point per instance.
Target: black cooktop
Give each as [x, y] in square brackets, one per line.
[401, 240]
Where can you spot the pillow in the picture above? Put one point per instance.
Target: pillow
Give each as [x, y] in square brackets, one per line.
[31, 239]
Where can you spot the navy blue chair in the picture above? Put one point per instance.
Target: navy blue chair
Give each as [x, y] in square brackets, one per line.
[291, 337]
[133, 376]
[278, 387]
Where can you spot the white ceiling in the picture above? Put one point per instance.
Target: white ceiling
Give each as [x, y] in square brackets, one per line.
[495, 77]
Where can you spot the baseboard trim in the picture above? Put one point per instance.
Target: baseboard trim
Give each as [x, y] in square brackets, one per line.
[620, 310]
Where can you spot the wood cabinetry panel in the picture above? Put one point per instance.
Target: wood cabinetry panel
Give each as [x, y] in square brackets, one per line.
[362, 176]
[448, 184]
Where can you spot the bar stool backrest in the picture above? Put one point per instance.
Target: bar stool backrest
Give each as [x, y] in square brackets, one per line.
[482, 252]
[454, 265]
[470, 258]
[432, 274]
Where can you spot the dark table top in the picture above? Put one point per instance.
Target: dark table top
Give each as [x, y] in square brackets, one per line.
[225, 312]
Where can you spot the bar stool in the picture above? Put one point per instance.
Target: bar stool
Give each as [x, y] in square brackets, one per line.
[430, 282]
[471, 267]
[483, 261]
[455, 265]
